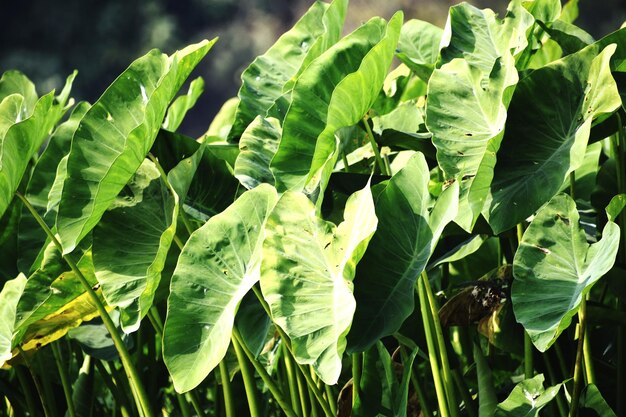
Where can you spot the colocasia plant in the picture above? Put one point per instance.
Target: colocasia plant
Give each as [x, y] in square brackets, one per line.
[404, 221]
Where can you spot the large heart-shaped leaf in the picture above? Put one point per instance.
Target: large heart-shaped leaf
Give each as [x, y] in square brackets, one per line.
[179, 107]
[23, 130]
[555, 266]
[546, 134]
[527, 398]
[217, 267]
[306, 275]
[387, 274]
[469, 95]
[9, 297]
[271, 74]
[131, 241]
[115, 135]
[257, 147]
[418, 47]
[335, 91]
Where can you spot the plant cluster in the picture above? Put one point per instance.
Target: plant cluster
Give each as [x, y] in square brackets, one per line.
[442, 239]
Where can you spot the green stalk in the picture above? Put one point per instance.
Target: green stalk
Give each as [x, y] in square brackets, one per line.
[432, 350]
[590, 376]
[193, 400]
[271, 386]
[357, 360]
[330, 399]
[419, 390]
[307, 376]
[302, 392]
[28, 394]
[124, 387]
[113, 389]
[291, 378]
[470, 405]
[443, 351]
[618, 145]
[38, 386]
[65, 383]
[248, 380]
[560, 404]
[379, 159]
[346, 165]
[229, 404]
[578, 365]
[133, 377]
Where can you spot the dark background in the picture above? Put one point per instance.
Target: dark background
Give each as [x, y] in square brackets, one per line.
[47, 39]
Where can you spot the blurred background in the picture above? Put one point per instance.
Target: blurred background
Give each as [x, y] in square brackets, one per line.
[48, 39]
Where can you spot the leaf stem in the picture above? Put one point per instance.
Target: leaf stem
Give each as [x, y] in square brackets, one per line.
[38, 386]
[248, 380]
[276, 393]
[357, 360]
[133, 377]
[370, 135]
[578, 365]
[229, 404]
[307, 376]
[65, 383]
[432, 350]
[443, 351]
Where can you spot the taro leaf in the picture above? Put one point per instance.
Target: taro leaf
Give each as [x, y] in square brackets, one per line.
[405, 239]
[379, 389]
[223, 120]
[257, 147]
[459, 252]
[592, 398]
[14, 82]
[543, 10]
[527, 398]
[179, 107]
[555, 266]
[9, 227]
[83, 390]
[478, 77]
[115, 135]
[405, 118]
[53, 301]
[570, 37]
[213, 189]
[546, 134]
[334, 92]
[9, 297]
[270, 74]
[131, 242]
[418, 47]
[306, 275]
[31, 237]
[24, 134]
[217, 267]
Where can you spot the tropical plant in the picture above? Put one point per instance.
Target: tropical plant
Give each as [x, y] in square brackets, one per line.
[350, 237]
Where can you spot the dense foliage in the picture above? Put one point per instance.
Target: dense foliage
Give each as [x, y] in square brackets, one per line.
[444, 238]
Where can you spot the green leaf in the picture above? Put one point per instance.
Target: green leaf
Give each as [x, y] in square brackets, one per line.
[131, 242]
[115, 135]
[570, 37]
[546, 134]
[217, 267]
[527, 398]
[32, 239]
[555, 266]
[179, 108]
[380, 391]
[468, 98]
[16, 83]
[257, 147]
[9, 297]
[404, 241]
[306, 275]
[210, 193]
[269, 75]
[24, 134]
[418, 47]
[53, 301]
[543, 10]
[592, 398]
[223, 120]
[334, 92]
[94, 339]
